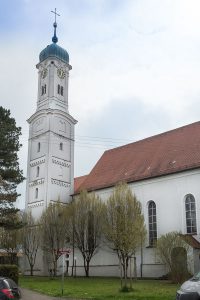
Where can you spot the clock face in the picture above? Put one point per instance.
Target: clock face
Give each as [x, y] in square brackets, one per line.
[61, 73]
[44, 73]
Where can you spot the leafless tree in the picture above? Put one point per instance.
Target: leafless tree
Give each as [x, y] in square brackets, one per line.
[124, 226]
[30, 238]
[53, 225]
[85, 228]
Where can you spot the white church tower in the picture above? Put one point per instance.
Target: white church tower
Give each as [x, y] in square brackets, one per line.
[50, 169]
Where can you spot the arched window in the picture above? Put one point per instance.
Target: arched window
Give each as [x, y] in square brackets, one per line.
[152, 223]
[59, 89]
[38, 171]
[36, 193]
[61, 146]
[44, 89]
[38, 147]
[190, 211]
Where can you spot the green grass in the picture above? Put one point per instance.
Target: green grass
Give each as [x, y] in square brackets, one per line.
[101, 288]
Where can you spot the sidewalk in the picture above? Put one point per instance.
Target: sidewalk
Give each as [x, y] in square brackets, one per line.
[30, 295]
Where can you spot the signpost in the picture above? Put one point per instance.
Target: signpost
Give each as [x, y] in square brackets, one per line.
[63, 252]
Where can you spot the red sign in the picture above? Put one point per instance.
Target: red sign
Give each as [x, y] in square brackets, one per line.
[65, 251]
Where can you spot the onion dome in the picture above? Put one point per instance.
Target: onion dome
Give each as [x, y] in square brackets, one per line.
[54, 50]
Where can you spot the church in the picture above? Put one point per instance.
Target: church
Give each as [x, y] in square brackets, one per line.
[163, 171]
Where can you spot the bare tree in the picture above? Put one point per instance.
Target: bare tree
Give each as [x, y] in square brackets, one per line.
[30, 239]
[53, 224]
[124, 226]
[85, 228]
[172, 249]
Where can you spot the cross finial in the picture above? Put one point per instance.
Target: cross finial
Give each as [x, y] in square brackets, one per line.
[56, 14]
[54, 38]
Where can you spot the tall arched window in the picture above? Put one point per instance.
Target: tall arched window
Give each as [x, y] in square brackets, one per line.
[36, 193]
[44, 89]
[190, 211]
[61, 146]
[59, 89]
[152, 223]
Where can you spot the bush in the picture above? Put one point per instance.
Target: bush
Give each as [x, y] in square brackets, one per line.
[10, 271]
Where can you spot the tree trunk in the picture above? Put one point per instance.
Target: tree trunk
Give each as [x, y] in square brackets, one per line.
[31, 269]
[86, 267]
[130, 274]
[55, 268]
[135, 268]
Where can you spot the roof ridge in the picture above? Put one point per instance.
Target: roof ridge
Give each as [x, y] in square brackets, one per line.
[154, 136]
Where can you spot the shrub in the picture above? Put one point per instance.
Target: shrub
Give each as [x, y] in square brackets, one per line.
[10, 271]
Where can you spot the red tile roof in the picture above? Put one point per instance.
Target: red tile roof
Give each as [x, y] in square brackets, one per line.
[78, 181]
[191, 240]
[170, 152]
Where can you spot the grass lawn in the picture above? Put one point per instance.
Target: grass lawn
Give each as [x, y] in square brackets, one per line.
[101, 288]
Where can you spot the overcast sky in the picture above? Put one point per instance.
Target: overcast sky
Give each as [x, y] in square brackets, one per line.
[135, 68]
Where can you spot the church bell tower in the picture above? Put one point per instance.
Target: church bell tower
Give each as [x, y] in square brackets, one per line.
[50, 167]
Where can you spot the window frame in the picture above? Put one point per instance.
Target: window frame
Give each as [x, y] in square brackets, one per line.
[152, 223]
[190, 214]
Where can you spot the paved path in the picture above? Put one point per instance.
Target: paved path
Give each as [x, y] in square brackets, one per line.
[30, 295]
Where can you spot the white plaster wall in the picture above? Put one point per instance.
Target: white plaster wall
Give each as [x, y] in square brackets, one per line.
[41, 193]
[60, 193]
[168, 192]
[64, 154]
[36, 209]
[34, 170]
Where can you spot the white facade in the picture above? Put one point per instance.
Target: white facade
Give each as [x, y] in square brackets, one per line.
[50, 167]
[168, 193]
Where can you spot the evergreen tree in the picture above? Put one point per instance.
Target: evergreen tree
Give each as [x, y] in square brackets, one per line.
[10, 174]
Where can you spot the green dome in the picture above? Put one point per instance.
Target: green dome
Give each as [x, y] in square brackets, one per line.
[54, 50]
